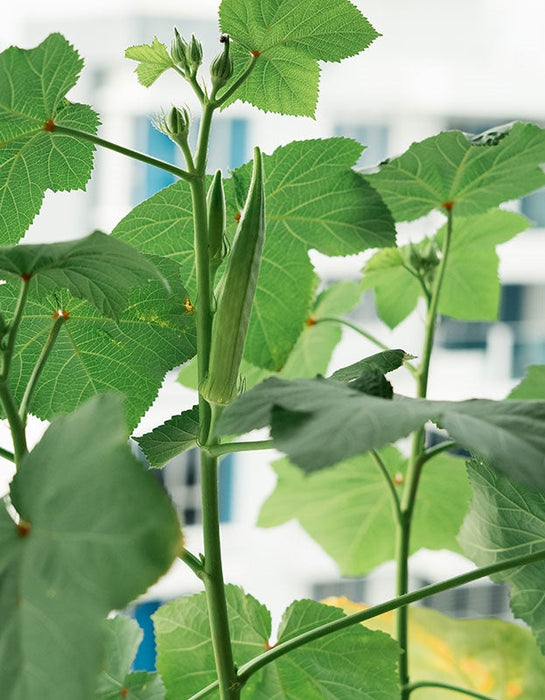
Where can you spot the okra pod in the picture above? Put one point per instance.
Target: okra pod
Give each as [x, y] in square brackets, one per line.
[230, 324]
[216, 224]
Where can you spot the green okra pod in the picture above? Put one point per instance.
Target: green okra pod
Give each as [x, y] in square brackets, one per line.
[216, 224]
[230, 325]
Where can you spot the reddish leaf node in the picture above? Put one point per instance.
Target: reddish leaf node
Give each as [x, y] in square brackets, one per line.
[237, 216]
[311, 321]
[447, 205]
[61, 313]
[23, 528]
[255, 53]
[49, 125]
[26, 276]
[124, 692]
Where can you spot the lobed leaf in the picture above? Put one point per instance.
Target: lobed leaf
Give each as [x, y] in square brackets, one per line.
[153, 60]
[354, 496]
[96, 530]
[173, 437]
[33, 85]
[506, 520]
[289, 38]
[474, 174]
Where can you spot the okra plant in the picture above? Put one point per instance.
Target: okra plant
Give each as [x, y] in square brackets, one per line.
[213, 271]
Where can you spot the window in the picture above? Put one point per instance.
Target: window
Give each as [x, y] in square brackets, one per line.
[373, 136]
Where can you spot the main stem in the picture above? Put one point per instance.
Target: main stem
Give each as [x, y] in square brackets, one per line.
[416, 462]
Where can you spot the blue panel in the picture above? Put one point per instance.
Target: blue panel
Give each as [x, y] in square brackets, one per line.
[160, 146]
[239, 139]
[226, 488]
[146, 654]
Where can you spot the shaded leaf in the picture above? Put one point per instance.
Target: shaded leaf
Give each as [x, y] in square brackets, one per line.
[98, 268]
[291, 38]
[318, 422]
[353, 495]
[176, 435]
[33, 85]
[94, 354]
[123, 637]
[354, 663]
[474, 174]
[493, 657]
[96, 530]
[506, 520]
[532, 386]
[153, 60]
[385, 361]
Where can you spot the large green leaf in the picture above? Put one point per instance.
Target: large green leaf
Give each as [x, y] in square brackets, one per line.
[354, 663]
[95, 354]
[98, 268]
[472, 173]
[314, 200]
[123, 637]
[496, 658]
[353, 495]
[506, 520]
[290, 38]
[532, 386]
[319, 422]
[33, 85]
[471, 287]
[96, 530]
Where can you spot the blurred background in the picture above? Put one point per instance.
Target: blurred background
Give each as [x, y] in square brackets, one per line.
[468, 65]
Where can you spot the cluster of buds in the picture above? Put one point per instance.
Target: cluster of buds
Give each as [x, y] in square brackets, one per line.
[186, 55]
[423, 259]
[175, 124]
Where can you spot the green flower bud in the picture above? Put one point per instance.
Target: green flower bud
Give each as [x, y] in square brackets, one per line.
[194, 53]
[175, 124]
[179, 51]
[221, 68]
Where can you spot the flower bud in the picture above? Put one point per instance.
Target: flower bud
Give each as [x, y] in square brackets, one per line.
[175, 124]
[194, 53]
[221, 68]
[179, 51]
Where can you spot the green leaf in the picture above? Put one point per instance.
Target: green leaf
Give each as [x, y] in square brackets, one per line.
[508, 520]
[475, 174]
[98, 268]
[64, 568]
[314, 200]
[94, 354]
[33, 85]
[176, 435]
[318, 422]
[353, 495]
[153, 60]
[384, 362]
[532, 386]
[496, 658]
[354, 663]
[471, 286]
[291, 37]
[123, 637]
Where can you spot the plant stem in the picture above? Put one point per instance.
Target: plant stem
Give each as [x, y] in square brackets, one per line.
[16, 426]
[414, 469]
[389, 482]
[447, 686]
[136, 155]
[6, 454]
[7, 353]
[343, 322]
[194, 563]
[212, 575]
[249, 446]
[38, 368]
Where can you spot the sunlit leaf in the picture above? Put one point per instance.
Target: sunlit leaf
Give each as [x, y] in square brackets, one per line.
[153, 60]
[532, 386]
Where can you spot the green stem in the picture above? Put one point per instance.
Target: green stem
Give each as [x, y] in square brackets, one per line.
[136, 155]
[414, 469]
[389, 482]
[447, 686]
[249, 446]
[7, 353]
[38, 368]
[279, 650]
[432, 452]
[212, 574]
[194, 563]
[16, 425]
[6, 454]
[341, 321]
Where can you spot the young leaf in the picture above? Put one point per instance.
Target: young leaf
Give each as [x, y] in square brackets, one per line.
[353, 495]
[287, 39]
[384, 362]
[64, 568]
[474, 174]
[496, 658]
[318, 422]
[532, 386]
[123, 637]
[507, 520]
[98, 268]
[153, 61]
[354, 663]
[94, 354]
[33, 85]
[176, 435]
